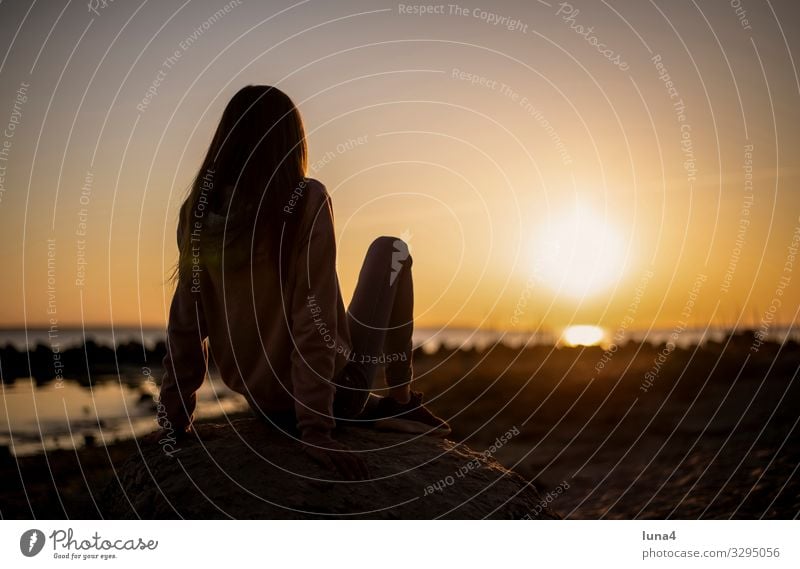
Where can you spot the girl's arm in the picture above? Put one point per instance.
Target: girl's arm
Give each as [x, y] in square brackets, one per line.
[186, 361]
[314, 323]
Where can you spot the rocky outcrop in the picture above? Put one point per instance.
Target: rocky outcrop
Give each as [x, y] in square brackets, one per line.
[246, 469]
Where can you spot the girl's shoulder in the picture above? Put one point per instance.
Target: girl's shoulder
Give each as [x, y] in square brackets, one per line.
[316, 197]
[316, 190]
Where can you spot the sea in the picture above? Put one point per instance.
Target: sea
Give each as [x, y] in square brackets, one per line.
[69, 415]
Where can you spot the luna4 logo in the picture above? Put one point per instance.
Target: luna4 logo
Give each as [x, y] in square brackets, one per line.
[31, 542]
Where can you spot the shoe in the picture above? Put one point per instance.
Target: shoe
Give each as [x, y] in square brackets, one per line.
[412, 417]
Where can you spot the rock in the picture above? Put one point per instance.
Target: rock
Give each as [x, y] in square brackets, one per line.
[247, 469]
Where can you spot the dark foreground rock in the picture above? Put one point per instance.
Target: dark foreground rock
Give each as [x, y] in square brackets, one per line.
[246, 469]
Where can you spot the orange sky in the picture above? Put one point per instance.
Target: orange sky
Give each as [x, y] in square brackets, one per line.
[481, 142]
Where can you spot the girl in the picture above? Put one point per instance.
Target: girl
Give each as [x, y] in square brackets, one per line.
[257, 292]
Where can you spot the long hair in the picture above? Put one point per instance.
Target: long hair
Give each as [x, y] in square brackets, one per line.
[255, 165]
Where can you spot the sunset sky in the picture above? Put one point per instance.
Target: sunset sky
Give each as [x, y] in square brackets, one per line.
[548, 163]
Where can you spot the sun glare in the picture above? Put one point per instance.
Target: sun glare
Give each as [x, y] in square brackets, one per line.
[583, 335]
[579, 253]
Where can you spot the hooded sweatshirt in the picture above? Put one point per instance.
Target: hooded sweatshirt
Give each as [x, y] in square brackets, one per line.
[278, 346]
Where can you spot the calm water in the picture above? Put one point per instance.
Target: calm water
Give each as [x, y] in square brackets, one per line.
[71, 337]
[428, 338]
[36, 418]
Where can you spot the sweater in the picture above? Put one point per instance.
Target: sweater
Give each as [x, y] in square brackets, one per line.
[280, 346]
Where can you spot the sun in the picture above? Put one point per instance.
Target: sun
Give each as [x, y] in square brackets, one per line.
[583, 335]
[579, 253]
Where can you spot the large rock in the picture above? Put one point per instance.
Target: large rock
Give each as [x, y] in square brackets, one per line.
[246, 469]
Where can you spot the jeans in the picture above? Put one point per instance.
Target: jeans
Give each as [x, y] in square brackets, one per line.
[380, 319]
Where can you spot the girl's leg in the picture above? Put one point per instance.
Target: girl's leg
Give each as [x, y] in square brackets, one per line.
[381, 316]
[381, 322]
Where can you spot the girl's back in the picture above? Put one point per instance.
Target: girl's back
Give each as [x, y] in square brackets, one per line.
[256, 274]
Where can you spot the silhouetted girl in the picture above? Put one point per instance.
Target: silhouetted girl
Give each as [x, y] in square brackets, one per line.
[257, 291]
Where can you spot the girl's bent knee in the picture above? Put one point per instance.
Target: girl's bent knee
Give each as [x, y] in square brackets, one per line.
[387, 245]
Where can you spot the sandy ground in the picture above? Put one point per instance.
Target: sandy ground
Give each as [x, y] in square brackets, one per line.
[712, 437]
